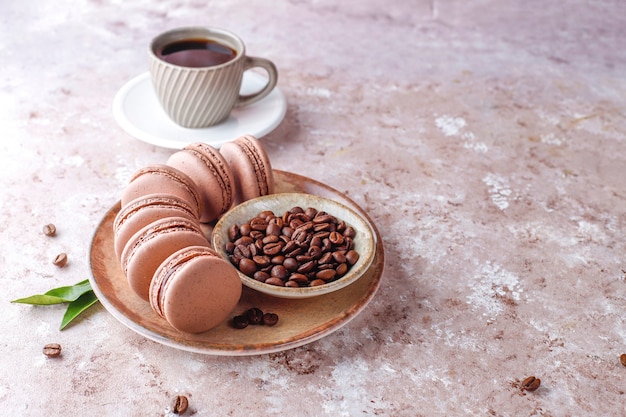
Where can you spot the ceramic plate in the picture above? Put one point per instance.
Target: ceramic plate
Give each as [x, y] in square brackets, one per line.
[301, 320]
[278, 203]
[137, 110]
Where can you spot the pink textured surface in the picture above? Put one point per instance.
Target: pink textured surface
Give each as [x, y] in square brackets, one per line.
[486, 139]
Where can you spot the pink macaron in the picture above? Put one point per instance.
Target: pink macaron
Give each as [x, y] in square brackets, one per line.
[162, 179]
[212, 175]
[142, 211]
[151, 245]
[195, 290]
[251, 166]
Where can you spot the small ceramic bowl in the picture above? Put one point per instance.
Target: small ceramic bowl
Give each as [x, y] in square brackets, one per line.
[364, 240]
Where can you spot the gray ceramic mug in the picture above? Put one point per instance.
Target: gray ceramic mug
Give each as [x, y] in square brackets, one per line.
[197, 72]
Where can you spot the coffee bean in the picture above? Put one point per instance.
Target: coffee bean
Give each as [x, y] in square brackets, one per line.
[326, 275]
[261, 276]
[326, 258]
[275, 281]
[310, 212]
[233, 232]
[243, 241]
[254, 315]
[342, 269]
[312, 243]
[247, 266]
[270, 319]
[530, 384]
[258, 223]
[244, 230]
[256, 234]
[278, 260]
[336, 238]
[240, 322]
[307, 267]
[52, 350]
[299, 278]
[279, 271]
[273, 229]
[622, 358]
[180, 404]
[241, 251]
[261, 260]
[352, 257]
[273, 248]
[315, 252]
[60, 260]
[49, 230]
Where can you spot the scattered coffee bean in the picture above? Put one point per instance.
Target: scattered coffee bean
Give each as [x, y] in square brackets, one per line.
[49, 230]
[240, 322]
[622, 359]
[52, 350]
[530, 384]
[311, 243]
[255, 315]
[60, 260]
[180, 404]
[270, 319]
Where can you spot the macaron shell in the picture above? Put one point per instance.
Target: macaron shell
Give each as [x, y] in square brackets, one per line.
[211, 174]
[142, 211]
[167, 269]
[162, 179]
[252, 168]
[200, 293]
[150, 246]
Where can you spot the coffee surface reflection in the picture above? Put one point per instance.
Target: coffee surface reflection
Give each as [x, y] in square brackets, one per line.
[196, 53]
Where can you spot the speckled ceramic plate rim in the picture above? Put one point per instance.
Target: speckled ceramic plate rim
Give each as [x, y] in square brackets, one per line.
[189, 342]
[279, 203]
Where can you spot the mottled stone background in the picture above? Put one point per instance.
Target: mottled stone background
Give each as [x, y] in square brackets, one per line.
[486, 139]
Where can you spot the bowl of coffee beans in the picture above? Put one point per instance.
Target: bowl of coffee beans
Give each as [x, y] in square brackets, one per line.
[295, 245]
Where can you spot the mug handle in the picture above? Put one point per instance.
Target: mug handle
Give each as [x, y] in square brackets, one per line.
[270, 68]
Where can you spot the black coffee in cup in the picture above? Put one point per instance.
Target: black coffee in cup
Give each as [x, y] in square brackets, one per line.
[196, 53]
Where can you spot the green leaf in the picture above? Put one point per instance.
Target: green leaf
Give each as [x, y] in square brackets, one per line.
[41, 300]
[58, 295]
[72, 292]
[77, 306]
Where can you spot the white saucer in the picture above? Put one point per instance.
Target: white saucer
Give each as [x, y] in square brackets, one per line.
[137, 110]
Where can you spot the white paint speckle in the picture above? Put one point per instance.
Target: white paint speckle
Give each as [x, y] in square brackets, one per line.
[551, 139]
[450, 126]
[489, 283]
[318, 92]
[479, 147]
[350, 379]
[499, 190]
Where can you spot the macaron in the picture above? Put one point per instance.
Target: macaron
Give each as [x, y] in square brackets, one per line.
[142, 211]
[162, 179]
[251, 166]
[210, 172]
[151, 245]
[195, 290]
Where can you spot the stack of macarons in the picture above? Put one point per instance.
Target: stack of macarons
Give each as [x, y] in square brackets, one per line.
[158, 238]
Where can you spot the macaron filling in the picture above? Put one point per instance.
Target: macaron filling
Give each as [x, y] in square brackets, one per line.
[218, 169]
[151, 233]
[172, 175]
[151, 201]
[256, 160]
